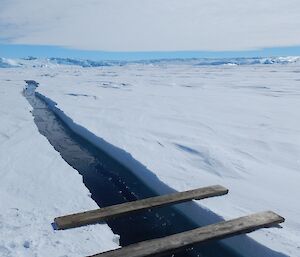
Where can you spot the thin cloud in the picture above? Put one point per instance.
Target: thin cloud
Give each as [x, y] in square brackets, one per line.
[152, 25]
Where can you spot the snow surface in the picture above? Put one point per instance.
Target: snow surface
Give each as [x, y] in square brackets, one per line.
[191, 125]
[37, 185]
[194, 126]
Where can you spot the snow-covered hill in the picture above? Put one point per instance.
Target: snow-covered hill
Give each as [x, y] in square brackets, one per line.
[8, 63]
[53, 62]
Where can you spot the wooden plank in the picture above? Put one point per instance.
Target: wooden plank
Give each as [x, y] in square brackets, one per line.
[95, 216]
[200, 235]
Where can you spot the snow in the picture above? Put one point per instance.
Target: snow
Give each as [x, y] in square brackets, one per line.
[191, 125]
[8, 63]
[36, 186]
[195, 126]
[54, 62]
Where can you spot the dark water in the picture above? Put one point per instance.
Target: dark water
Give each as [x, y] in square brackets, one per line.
[111, 183]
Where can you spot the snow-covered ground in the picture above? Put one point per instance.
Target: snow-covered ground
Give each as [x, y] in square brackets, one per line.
[37, 185]
[191, 124]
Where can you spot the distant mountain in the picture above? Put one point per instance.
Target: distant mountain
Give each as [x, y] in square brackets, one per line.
[85, 63]
[8, 63]
[36, 62]
[250, 61]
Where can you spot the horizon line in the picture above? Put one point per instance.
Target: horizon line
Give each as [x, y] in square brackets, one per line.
[44, 51]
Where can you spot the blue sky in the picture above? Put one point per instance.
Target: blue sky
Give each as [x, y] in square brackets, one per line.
[20, 51]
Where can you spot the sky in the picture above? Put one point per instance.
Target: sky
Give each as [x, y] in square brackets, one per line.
[21, 51]
[120, 29]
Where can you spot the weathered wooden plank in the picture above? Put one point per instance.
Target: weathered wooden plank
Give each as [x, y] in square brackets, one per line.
[94, 216]
[200, 235]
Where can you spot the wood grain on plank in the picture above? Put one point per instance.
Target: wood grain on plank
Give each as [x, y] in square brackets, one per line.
[200, 235]
[95, 216]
